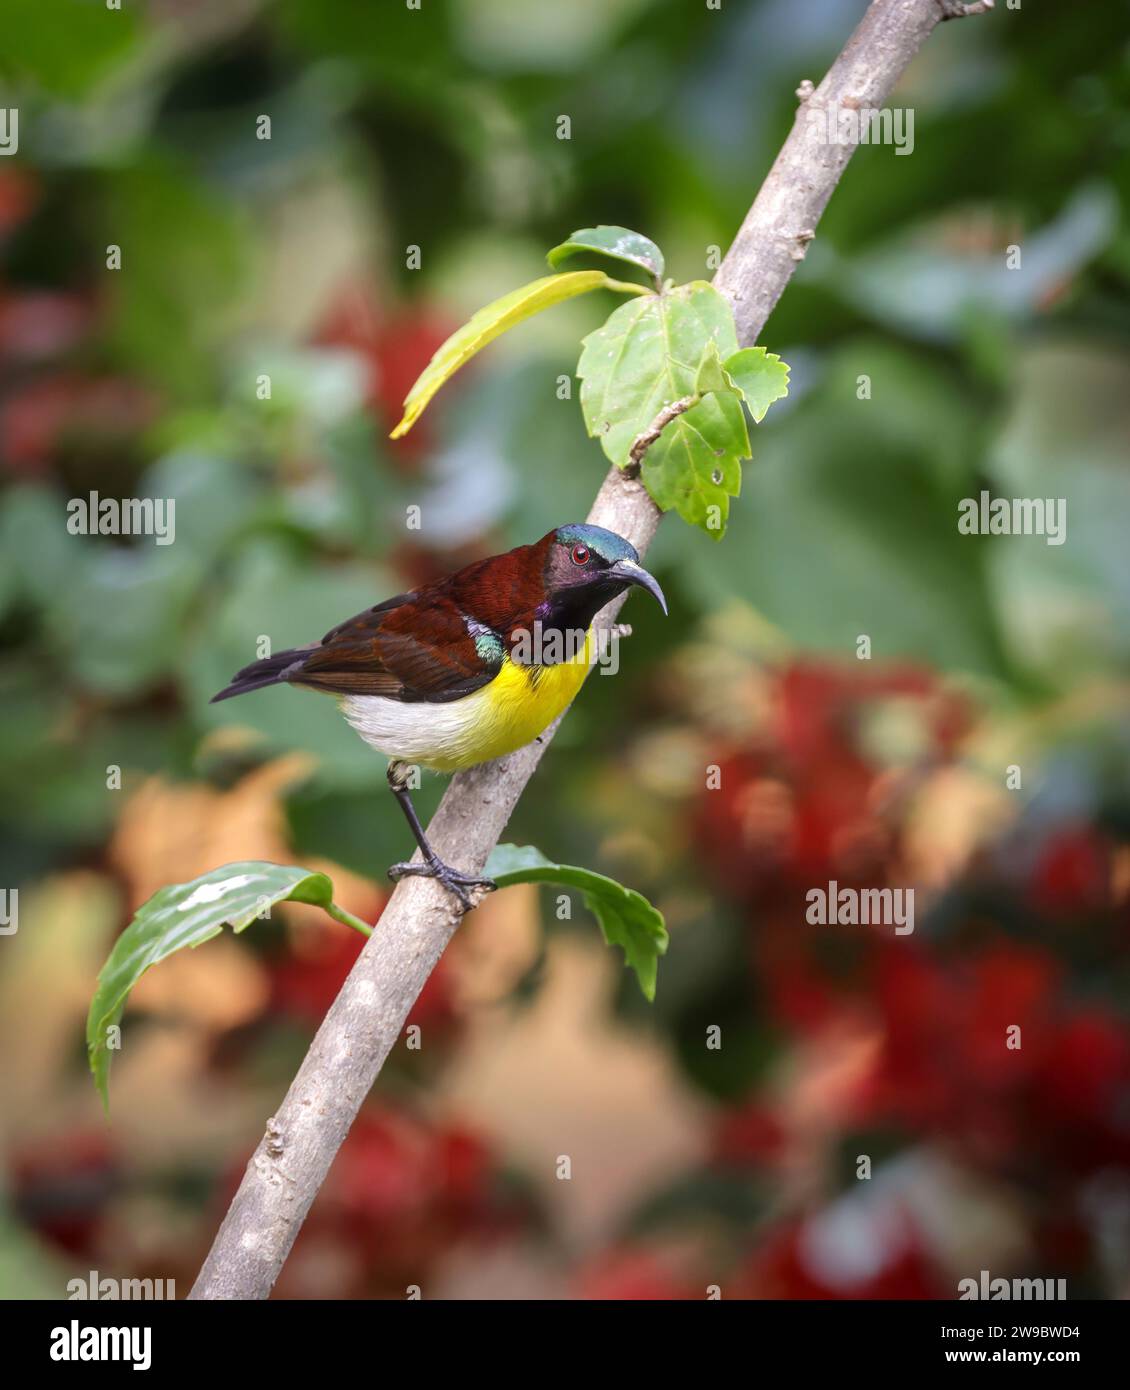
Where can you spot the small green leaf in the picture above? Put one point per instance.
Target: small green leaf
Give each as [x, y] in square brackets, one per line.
[626, 918]
[646, 356]
[617, 242]
[186, 914]
[760, 378]
[695, 466]
[486, 325]
[711, 374]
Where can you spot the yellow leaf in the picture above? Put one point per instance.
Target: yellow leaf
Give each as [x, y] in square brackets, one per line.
[487, 324]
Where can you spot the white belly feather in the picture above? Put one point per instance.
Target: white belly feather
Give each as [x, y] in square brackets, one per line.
[497, 718]
[440, 736]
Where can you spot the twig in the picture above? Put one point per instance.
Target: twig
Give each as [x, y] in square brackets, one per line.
[954, 9]
[366, 1019]
[643, 442]
[784, 215]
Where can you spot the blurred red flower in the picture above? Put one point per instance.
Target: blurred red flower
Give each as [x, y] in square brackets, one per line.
[395, 346]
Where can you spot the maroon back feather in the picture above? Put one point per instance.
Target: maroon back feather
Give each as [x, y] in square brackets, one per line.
[417, 646]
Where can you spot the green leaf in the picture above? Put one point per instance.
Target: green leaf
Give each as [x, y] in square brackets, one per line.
[616, 242]
[711, 374]
[487, 324]
[186, 914]
[646, 356]
[626, 918]
[695, 466]
[760, 378]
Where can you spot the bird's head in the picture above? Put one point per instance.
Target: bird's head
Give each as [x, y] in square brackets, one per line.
[587, 566]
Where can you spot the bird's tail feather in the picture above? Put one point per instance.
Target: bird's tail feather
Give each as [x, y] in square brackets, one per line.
[271, 670]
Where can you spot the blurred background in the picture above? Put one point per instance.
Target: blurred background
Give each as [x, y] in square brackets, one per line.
[691, 1167]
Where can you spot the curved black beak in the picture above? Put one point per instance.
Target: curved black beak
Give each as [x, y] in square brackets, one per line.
[631, 573]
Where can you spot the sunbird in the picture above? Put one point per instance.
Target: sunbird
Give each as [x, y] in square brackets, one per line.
[467, 668]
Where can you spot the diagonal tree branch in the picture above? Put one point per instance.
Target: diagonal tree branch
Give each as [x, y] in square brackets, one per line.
[363, 1024]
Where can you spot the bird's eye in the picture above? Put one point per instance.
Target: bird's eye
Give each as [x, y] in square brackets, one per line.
[580, 554]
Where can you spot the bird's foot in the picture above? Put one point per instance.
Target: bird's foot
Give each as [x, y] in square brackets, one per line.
[455, 882]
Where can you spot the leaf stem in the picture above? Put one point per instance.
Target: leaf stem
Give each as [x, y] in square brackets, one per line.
[626, 286]
[348, 918]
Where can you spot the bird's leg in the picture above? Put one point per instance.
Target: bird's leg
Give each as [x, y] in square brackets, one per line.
[433, 866]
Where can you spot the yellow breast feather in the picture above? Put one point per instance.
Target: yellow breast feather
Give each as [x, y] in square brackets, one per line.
[504, 715]
[519, 704]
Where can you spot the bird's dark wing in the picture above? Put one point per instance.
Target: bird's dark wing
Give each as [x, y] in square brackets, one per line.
[437, 643]
[415, 647]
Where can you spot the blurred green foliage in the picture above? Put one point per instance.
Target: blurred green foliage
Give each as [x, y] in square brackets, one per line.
[140, 131]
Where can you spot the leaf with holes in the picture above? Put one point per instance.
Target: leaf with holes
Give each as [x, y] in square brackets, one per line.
[646, 356]
[187, 914]
[626, 917]
[695, 466]
[619, 243]
[487, 324]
